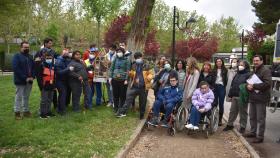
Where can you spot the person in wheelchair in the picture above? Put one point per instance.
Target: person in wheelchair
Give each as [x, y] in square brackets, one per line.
[202, 100]
[167, 98]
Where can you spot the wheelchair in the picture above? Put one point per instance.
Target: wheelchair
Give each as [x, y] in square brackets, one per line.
[208, 123]
[176, 120]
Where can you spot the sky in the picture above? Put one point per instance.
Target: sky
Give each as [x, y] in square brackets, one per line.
[241, 10]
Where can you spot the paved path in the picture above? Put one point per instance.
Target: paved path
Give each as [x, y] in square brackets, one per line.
[156, 143]
[268, 149]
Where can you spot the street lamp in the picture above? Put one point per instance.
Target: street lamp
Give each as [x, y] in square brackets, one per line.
[176, 22]
[242, 43]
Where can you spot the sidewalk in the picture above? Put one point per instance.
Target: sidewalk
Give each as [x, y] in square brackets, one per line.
[156, 143]
[269, 148]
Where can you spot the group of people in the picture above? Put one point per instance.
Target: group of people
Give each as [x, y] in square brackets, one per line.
[72, 74]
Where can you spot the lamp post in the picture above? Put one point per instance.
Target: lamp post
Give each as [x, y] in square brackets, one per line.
[176, 22]
[242, 43]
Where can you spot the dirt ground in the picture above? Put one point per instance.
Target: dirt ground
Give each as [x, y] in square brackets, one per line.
[156, 143]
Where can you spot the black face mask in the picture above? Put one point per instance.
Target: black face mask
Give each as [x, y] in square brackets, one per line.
[26, 51]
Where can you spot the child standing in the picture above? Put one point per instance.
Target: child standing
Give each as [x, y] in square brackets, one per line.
[48, 85]
[202, 99]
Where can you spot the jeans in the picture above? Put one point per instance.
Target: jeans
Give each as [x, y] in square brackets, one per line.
[257, 113]
[62, 95]
[220, 93]
[158, 106]
[109, 92]
[46, 101]
[195, 116]
[22, 97]
[98, 87]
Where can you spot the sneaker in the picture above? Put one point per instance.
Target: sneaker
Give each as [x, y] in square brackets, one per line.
[227, 128]
[189, 126]
[242, 130]
[120, 115]
[249, 135]
[109, 105]
[164, 123]
[50, 115]
[27, 114]
[18, 116]
[43, 116]
[195, 128]
[154, 121]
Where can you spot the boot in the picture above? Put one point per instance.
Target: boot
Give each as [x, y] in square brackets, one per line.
[18, 116]
[227, 128]
[27, 114]
[220, 120]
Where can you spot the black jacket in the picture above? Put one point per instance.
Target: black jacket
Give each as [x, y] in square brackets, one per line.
[263, 89]
[240, 78]
[210, 79]
[275, 70]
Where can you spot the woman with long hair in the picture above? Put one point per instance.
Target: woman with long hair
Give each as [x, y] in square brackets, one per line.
[231, 73]
[181, 70]
[220, 77]
[190, 81]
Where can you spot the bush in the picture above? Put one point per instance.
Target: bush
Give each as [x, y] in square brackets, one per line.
[7, 62]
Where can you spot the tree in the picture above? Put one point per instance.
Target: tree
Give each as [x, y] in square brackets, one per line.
[139, 25]
[226, 29]
[152, 46]
[268, 13]
[201, 47]
[254, 40]
[101, 9]
[118, 32]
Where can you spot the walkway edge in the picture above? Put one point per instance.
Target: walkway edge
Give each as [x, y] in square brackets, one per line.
[132, 141]
[250, 149]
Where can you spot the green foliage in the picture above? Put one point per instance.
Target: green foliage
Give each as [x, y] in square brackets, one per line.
[94, 133]
[267, 48]
[268, 13]
[250, 55]
[226, 29]
[52, 31]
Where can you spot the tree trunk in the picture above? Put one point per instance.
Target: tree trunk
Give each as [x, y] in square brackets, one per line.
[139, 24]
[98, 33]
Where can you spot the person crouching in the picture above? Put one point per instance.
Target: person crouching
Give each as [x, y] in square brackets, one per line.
[202, 100]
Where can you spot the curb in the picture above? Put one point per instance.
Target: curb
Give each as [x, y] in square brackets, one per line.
[132, 141]
[135, 136]
[250, 149]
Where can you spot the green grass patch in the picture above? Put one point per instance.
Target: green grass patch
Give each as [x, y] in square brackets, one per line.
[83, 134]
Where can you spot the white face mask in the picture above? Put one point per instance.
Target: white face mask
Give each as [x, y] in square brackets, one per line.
[167, 66]
[91, 56]
[139, 61]
[49, 61]
[70, 55]
[119, 54]
[240, 68]
[233, 64]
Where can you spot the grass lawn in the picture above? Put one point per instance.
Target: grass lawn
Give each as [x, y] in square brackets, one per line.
[94, 133]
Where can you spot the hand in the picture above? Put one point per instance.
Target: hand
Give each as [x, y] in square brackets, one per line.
[125, 82]
[201, 110]
[71, 68]
[160, 81]
[81, 78]
[250, 87]
[37, 59]
[137, 81]
[110, 81]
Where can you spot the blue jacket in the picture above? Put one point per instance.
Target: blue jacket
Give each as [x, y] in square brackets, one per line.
[170, 95]
[61, 69]
[23, 67]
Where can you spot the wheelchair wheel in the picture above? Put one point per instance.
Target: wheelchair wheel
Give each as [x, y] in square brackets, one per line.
[171, 131]
[206, 133]
[214, 120]
[181, 118]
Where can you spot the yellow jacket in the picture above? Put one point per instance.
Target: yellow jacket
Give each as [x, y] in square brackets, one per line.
[148, 75]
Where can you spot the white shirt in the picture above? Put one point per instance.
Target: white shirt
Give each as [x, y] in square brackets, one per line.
[219, 79]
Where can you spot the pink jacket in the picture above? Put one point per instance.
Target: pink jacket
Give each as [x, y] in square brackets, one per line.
[200, 100]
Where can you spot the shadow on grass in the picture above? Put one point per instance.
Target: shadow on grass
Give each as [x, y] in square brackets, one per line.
[84, 134]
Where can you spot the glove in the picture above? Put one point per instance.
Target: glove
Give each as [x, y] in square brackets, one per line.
[71, 68]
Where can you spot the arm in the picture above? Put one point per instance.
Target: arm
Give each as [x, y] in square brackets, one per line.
[128, 66]
[60, 70]
[17, 68]
[177, 98]
[112, 68]
[193, 86]
[195, 99]
[266, 82]
[150, 75]
[209, 101]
